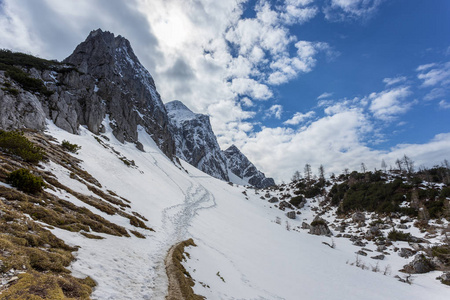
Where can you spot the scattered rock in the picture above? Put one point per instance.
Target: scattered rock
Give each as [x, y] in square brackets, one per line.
[381, 248]
[284, 205]
[305, 225]
[406, 252]
[379, 257]
[402, 226]
[359, 243]
[445, 278]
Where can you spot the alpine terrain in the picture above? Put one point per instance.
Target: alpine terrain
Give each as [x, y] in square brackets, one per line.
[107, 193]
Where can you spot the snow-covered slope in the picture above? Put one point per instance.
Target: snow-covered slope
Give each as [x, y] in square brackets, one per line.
[240, 166]
[242, 251]
[195, 141]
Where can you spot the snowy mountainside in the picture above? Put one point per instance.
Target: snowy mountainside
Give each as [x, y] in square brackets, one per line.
[195, 141]
[240, 166]
[247, 247]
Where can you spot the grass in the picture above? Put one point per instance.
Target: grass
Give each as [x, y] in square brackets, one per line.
[23, 180]
[396, 235]
[183, 278]
[70, 147]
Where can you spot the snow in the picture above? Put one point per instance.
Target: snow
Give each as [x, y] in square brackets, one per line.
[236, 235]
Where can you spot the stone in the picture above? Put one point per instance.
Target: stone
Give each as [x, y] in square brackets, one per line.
[284, 205]
[319, 227]
[291, 215]
[273, 200]
[358, 217]
[405, 252]
[378, 257]
[402, 226]
[381, 248]
[359, 243]
[419, 265]
[360, 252]
[305, 225]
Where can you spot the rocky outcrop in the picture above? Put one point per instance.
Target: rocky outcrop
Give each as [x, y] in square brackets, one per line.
[419, 265]
[195, 140]
[239, 164]
[102, 77]
[319, 227]
[123, 89]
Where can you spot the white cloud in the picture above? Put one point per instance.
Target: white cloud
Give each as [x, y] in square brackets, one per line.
[395, 80]
[434, 74]
[299, 118]
[324, 96]
[389, 104]
[275, 111]
[435, 94]
[340, 10]
[444, 104]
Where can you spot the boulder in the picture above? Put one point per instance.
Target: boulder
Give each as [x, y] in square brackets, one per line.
[291, 215]
[406, 252]
[419, 265]
[273, 200]
[378, 257]
[305, 225]
[358, 217]
[319, 227]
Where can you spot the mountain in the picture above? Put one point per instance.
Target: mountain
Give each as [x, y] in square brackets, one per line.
[195, 141]
[107, 220]
[101, 79]
[239, 165]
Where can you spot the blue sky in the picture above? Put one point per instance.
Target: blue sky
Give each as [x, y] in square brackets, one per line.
[290, 82]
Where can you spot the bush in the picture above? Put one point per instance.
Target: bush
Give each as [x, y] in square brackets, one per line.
[14, 142]
[318, 222]
[296, 201]
[70, 147]
[395, 235]
[23, 180]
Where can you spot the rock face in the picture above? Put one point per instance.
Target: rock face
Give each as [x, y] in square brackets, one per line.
[103, 77]
[239, 164]
[125, 90]
[195, 140]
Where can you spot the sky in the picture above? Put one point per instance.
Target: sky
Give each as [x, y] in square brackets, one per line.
[290, 82]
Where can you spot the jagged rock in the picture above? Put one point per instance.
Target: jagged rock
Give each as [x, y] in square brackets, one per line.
[402, 226]
[358, 217]
[239, 165]
[20, 111]
[379, 257]
[195, 140]
[118, 85]
[419, 265]
[359, 243]
[319, 227]
[291, 215]
[305, 225]
[445, 278]
[381, 248]
[406, 252]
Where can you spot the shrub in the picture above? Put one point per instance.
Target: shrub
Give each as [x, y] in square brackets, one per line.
[70, 147]
[296, 201]
[23, 180]
[395, 235]
[318, 222]
[14, 142]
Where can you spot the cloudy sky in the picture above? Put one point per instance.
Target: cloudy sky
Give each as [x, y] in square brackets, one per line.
[290, 82]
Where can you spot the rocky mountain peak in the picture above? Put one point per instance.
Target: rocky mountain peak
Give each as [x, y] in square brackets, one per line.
[241, 166]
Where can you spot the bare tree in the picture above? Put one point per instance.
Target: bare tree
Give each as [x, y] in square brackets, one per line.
[297, 176]
[308, 173]
[383, 165]
[409, 164]
[363, 167]
[399, 164]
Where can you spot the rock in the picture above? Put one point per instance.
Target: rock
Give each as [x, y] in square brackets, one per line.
[445, 278]
[381, 248]
[358, 217]
[416, 246]
[273, 200]
[379, 257]
[291, 215]
[360, 252]
[305, 225]
[419, 265]
[402, 226]
[267, 195]
[406, 252]
[285, 204]
[359, 243]
[319, 227]
[348, 236]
